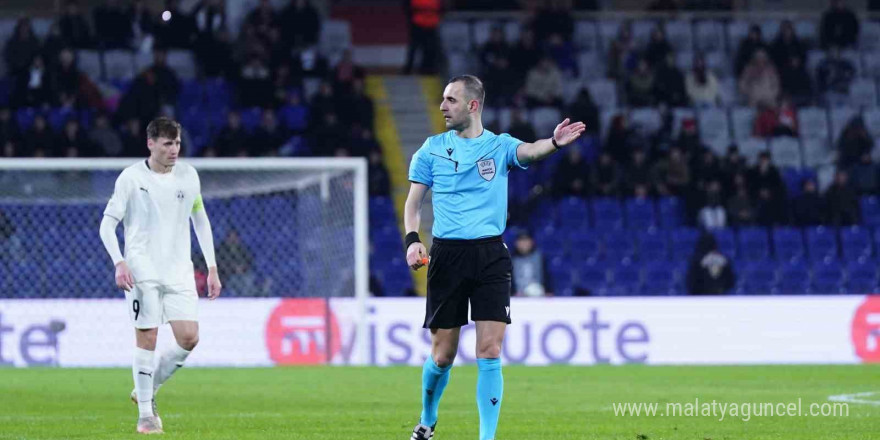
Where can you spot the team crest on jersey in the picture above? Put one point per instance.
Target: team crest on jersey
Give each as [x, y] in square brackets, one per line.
[486, 168]
[179, 195]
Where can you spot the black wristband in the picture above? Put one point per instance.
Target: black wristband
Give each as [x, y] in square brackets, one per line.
[555, 145]
[412, 237]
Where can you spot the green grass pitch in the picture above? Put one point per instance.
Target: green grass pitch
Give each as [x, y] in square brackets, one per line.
[316, 403]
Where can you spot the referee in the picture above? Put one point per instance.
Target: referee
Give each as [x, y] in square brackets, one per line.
[467, 168]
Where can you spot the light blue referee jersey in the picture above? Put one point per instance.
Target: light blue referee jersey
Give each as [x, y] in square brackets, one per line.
[469, 181]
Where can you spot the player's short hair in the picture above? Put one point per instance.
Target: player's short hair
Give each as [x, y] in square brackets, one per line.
[473, 87]
[163, 127]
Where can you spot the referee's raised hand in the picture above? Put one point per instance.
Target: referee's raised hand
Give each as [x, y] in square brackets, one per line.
[416, 256]
[567, 132]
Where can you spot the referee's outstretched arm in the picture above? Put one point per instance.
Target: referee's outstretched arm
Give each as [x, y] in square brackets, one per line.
[416, 254]
[565, 133]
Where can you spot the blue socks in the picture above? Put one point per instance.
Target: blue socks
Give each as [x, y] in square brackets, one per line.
[490, 387]
[434, 380]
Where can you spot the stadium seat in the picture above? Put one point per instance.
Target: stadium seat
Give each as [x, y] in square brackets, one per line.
[671, 211]
[709, 35]
[511, 31]
[573, 212]
[863, 93]
[769, 29]
[653, 245]
[728, 92]
[806, 32]
[827, 277]
[250, 118]
[872, 121]
[855, 242]
[89, 62]
[660, 278]
[786, 152]
[641, 32]
[618, 245]
[862, 276]
[684, 240]
[794, 278]
[604, 93]
[626, 278]
[586, 37]
[871, 64]
[482, 30]
[750, 148]
[840, 116]
[119, 64]
[57, 117]
[684, 61]
[592, 274]
[591, 66]
[460, 63]
[754, 244]
[788, 243]
[726, 242]
[743, 119]
[736, 31]
[813, 123]
[584, 244]
[678, 33]
[679, 115]
[562, 275]
[870, 211]
[757, 278]
[545, 119]
[335, 38]
[639, 214]
[455, 36]
[821, 243]
[24, 117]
[607, 214]
[719, 62]
[816, 152]
[647, 120]
[294, 117]
[183, 63]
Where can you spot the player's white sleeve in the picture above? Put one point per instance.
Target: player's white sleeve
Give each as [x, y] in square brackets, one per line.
[202, 226]
[108, 237]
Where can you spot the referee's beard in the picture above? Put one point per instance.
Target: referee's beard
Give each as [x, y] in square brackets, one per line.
[458, 126]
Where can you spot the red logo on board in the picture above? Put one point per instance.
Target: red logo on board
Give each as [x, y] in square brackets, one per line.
[296, 332]
[866, 330]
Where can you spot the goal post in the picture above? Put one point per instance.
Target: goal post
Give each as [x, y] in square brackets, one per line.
[283, 227]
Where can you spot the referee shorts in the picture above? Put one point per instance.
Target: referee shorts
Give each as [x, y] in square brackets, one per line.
[462, 271]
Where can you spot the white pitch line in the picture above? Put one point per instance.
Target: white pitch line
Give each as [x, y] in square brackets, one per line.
[856, 398]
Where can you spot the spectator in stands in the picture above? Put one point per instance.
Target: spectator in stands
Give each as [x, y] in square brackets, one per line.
[346, 73]
[759, 81]
[787, 45]
[739, 206]
[495, 62]
[269, 136]
[363, 143]
[154, 88]
[842, 201]
[134, 141]
[622, 55]
[178, 31]
[210, 18]
[520, 127]
[621, 139]
[840, 26]
[53, 45]
[808, 208]
[584, 109]
[834, 74]
[854, 142]
[237, 261]
[113, 28]
[606, 176]
[637, 172]
[104, 138]
[530, 275]
[544, 85]
[733, 165]
[672, 174]
[706, 168]
[771, 121]
[689, 141]
[32, 87]
[424, 18]
[21, 48]
[10, 136]
[753, 43]
[263, 19]
[39, 141]
[768, 190]
[324, 101]
[572, 175]
[563, 54]
[379, 180]
[212, 46]
[710, 272]
[232, 140]
[255, 83]
[712, 215]
[701, 84]
[73, 142]
[527, 57]
[796, 82]
[865, 178]
[640, 86]
[143, 25]
[329, 138]
[302, 24]
[658, 49]
[74, 28]
[356, 107]
[553, 18]
[66, 79]
[669, 88]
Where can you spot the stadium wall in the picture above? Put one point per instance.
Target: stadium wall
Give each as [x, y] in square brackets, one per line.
[581, 331]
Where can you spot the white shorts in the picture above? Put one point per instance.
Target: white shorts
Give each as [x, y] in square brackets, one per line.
[151, 304]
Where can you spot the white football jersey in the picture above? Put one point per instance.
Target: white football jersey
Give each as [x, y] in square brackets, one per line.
[155, 211]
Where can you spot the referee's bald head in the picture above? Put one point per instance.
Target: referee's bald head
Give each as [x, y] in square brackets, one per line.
[473, 88]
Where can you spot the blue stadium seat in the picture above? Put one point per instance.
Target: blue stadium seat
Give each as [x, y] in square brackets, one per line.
[660, 278]
[607, 214]
[57, 117]
[827, 277]
[757, 278]
[794, 278]
[855, 242]
[626, 279]
[653, 245]
[584, 244]
[573, 212]
[821, 242]
[862, 276]
[592, 274]
[25, 118]
[618, 245]
[250, 118]
[870, 211]
[726, 242]
[788, 243]
[754, 244]
[671, 212]
[640, 213]
[562, 273]
[684, 240]
[294, 117]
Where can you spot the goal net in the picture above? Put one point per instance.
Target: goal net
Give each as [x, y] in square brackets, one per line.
[282, 227]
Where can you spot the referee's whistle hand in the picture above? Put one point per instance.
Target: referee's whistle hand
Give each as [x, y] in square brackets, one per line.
[124, 279]
[415, 255]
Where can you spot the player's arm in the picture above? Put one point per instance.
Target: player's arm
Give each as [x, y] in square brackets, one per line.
[202, 226]
[565, 133]
[416, 254]
[124, 279]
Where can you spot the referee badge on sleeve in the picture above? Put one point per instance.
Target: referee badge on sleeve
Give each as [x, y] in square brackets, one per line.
[486, 168]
